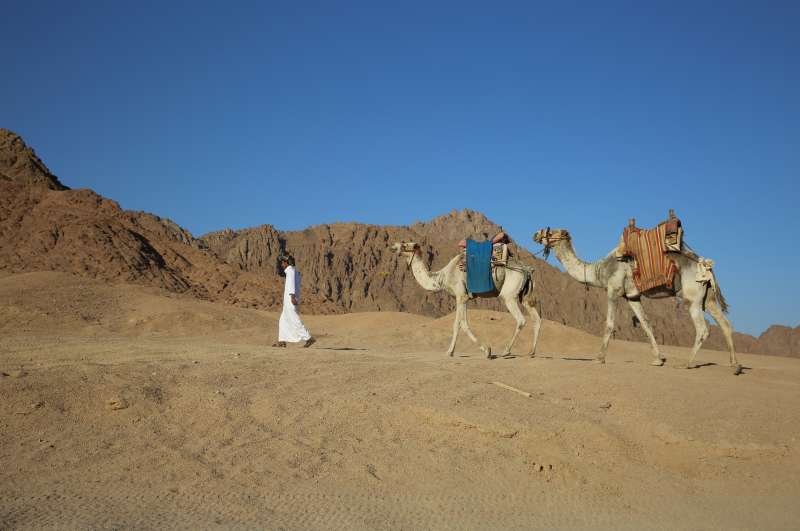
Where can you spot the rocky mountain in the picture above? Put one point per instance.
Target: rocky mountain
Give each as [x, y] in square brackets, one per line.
[19, 163]
[781, 339]
[346, 267]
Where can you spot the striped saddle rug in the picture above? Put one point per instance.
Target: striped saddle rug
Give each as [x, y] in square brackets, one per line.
[649, 247]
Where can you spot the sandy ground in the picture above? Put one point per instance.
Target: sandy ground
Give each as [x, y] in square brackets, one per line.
[123, 408]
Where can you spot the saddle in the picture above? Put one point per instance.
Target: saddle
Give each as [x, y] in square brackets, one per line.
[649, 250]
[484, 263]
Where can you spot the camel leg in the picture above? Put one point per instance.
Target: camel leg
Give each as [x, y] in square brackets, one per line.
[465, 326]
[516, 313]
[612, 308]
[537, 324]
[456, 327]
[638, 311]
[700, 327]
[725, 325]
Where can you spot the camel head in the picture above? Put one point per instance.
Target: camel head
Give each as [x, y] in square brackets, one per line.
[409, 249]
[550, 237]
[405, 247]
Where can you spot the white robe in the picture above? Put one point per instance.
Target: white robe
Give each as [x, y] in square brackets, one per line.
[290, 327]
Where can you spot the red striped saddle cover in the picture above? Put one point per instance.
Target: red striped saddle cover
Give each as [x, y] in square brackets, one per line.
[648, 247]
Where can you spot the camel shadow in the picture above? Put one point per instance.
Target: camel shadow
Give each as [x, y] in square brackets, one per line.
[695, 366]
[340, 348]
[741, 369]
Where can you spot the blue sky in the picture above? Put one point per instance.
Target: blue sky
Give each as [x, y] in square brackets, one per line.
[568, 114]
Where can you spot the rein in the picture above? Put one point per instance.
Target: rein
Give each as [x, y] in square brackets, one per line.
[549, 240]
[410, 258]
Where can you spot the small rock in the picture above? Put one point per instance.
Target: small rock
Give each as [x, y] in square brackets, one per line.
[372, 471]
[195, 362]
[509, 434]
[37, 405]
[117, 403]
[19, 373]
[605, 405]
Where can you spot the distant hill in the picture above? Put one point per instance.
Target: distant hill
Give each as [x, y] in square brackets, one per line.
[346, 267]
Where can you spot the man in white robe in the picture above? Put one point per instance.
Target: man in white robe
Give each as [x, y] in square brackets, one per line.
[290, 328]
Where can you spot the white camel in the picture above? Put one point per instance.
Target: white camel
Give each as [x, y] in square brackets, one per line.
[515, 283]
[616, 277]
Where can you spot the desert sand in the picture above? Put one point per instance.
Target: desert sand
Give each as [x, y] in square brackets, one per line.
[124, 406]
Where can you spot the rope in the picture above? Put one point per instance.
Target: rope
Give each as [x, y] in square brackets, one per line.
[585, 281]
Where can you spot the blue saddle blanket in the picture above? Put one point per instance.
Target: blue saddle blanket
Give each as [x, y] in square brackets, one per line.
[479, 267]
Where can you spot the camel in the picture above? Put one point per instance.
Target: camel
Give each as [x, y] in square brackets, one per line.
[616, 277]
[515, 283]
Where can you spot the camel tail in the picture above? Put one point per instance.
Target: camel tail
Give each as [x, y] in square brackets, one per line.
[723, 304]
[526, 295]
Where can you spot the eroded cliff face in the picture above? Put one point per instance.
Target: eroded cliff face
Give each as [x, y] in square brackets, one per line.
[346, 267]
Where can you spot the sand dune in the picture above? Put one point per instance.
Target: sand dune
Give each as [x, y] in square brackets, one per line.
[125, 406]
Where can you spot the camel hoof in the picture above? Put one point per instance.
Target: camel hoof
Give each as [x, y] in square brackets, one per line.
[658, 363]
[600, 361]
[450, 354]
[737, 370]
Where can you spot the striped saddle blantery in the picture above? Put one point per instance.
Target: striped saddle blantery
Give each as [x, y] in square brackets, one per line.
[653, 268]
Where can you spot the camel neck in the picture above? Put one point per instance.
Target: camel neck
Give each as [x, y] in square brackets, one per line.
[426, 279]
[583, 272]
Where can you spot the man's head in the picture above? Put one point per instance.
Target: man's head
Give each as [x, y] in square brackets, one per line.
[285, 260]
